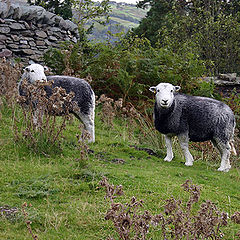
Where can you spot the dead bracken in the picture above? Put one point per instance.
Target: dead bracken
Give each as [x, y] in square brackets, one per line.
[177, 221]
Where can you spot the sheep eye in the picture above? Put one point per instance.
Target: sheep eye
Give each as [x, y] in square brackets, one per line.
[158, 90]
[171, 90]
[32, 70]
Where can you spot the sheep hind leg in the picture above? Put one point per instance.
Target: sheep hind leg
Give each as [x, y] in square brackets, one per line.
[183, 140]
[168, 142]
[225, 151]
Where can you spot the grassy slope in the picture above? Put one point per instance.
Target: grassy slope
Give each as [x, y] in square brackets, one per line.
[121, 17]
[63, 190]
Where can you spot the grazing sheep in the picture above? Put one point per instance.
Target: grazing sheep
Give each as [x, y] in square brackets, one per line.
[193, 118]
[84, 95]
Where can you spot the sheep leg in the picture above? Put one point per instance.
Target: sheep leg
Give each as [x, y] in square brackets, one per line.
[38, 117]
[225, 151]
[168, 141]
[183, 140]
[88, 122]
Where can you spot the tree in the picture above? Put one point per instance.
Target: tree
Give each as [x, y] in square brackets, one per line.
[208, 28]
[62, 8]
[155, 19]
[89, 12]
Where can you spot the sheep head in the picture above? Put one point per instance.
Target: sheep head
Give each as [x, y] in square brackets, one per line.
[34, 72]
[164, 94]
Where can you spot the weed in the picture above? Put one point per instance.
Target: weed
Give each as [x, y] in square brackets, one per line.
[178, 221]
[9, 74]
[40, 128]
[27, 221]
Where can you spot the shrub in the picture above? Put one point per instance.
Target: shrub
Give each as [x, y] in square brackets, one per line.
[178, 221]
[127, 69]
[37, 124]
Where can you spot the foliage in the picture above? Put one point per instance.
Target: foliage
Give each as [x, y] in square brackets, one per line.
[177, 222]
[88, 10]
[39, 129]
[210, 28]
[9, 75]
[126, 70]
[66, 200]
[62, 8]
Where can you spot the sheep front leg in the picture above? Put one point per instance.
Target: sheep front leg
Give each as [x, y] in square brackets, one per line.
[168, 141]
[183, 140]
[88, 122]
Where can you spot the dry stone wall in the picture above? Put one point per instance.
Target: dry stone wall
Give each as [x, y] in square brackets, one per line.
[26, 32]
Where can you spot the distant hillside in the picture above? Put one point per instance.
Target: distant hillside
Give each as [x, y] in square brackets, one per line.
[123, 17]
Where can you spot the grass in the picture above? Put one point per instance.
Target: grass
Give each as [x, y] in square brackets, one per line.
[67, 202]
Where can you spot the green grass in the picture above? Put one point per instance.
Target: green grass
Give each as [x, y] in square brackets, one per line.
[67, 202]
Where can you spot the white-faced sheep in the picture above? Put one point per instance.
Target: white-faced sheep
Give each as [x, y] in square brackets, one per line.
[84, 95]
[193, 118]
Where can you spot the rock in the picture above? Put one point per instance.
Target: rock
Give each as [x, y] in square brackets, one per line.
[16, 26]
[3, 37]
[28, 51]
[71, 26]
[41, 34]
[15, 38]
[24, 42]
[32, 43]
[13, 46]
[5, 29]
[5, 53]
[52, 38]
[228, 77]
[40, 43]
[24, 46]
[27, 31]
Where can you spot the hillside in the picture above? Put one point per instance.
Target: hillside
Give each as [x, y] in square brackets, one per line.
[122, 18]
[50, 187]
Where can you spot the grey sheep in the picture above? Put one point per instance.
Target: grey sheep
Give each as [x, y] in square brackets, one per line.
[84, 95]
[193, 118]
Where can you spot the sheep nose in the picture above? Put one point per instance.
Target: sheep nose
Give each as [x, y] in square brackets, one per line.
[164, 101]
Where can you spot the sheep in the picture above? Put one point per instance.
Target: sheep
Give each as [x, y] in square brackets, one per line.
[193, 118]
[84, 95]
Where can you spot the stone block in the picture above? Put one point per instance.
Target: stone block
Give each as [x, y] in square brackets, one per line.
[28, 51]
[41, 34]
[32, 43]
[52, 38]
[24, 46]
[24, 42]
[16, 26]
[5, 30]
[15, 38]
[3, 37]
[40, 43]
[5, 53]
[13, 46]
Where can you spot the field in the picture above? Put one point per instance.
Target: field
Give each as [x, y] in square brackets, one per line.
[59, 193]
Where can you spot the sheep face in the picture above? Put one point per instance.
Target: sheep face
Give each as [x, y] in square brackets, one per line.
[34, 72]
[164, 94]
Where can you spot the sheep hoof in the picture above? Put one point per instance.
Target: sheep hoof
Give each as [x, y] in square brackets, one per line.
[188, 164]
[224, 169]
[167, 159]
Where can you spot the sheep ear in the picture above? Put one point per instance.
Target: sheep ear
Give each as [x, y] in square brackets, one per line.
[152, 89]
[177, 88]
[45, 68]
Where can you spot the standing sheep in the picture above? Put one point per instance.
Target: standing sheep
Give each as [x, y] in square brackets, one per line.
[193, 118]
[84, 95]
